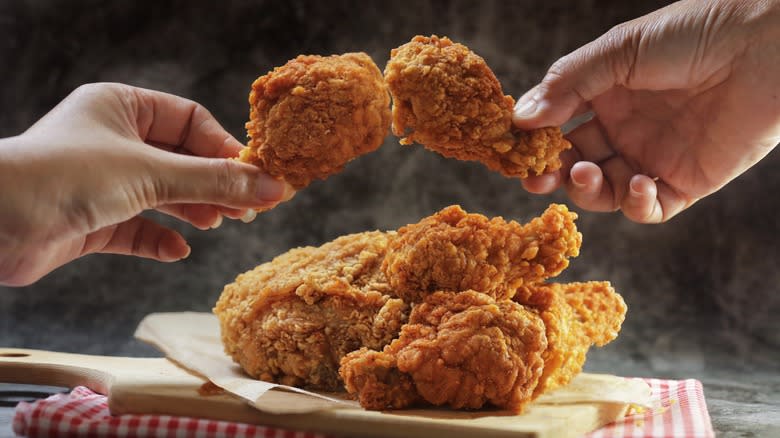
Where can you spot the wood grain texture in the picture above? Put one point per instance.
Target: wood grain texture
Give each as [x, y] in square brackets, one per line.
[158, 386]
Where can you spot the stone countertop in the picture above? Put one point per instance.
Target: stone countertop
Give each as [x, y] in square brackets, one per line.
[703, 289]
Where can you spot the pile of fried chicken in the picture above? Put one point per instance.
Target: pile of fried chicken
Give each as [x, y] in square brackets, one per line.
[454, 310]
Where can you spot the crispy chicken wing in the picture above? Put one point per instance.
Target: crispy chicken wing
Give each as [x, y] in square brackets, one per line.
[576, 316]
[311, 116]
[446, 98]
[455, 251]
[292, 319]
[462, 349]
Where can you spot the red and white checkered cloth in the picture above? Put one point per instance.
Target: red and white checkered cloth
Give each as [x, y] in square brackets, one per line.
[83, 413]
[679, 411]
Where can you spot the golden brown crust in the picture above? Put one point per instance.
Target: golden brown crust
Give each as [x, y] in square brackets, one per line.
[455, 251]
[598, 308]
[317, 317]
[373, 377]
[576, 316]
[446, 98]
[311, 116]
[292, 319]
[465, 350]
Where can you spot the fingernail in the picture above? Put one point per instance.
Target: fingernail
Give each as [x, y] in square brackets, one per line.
[577, 184]
[217, 222]
[189, 251]
[526, 107]
[270, 189]
[634, 192]
[634, 186]
[289, 192]
[249, 216]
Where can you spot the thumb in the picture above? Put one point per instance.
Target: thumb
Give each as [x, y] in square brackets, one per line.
[217, 181]
[579, 77]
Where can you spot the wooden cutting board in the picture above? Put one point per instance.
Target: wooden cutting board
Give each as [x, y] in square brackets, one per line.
[158, 386]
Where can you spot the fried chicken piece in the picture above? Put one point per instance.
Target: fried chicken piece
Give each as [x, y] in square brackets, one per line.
[456, 251]
[291, 320]
[576, 316]
[374, 377]
[446, 98]
[462, 349]
[311, 116]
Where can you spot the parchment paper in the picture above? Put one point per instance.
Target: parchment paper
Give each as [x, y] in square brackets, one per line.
[193, 341]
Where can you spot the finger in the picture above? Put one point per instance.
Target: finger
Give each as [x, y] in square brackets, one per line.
[542, 184]
[671, 201]
[588, 189]
[599, 187]
[579, 77]
[232, 213]
[617, 174]
[227, 183]
[172, 120]
[139, 237]
[201, 216]
[249, 216]
[591, 142]
[641, 203]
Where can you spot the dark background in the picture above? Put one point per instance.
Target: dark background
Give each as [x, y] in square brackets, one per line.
[702, 289]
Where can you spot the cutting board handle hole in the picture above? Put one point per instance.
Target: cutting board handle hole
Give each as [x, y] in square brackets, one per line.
[14, 354]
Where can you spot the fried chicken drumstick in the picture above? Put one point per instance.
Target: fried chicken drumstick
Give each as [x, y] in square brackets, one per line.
[311, 116]
[446, 98]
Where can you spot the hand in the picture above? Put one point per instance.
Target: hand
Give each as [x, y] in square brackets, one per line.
[76, 181]
[685, 99]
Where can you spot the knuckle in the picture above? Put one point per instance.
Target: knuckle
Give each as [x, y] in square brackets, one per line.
[556, 73]
[558, 69]
[230, 180]
[98, 94]
[200, 112]
[562, 75]
[621, 45]
[94, 89]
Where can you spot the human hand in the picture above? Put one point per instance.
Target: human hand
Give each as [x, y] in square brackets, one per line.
[685, 100]
[76, 181]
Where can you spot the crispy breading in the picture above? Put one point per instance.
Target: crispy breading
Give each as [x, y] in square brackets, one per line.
[311, 116]
[597, 308]
[461, 349]
[446, 98]
[455, 251]
[373, 377]
[328, 316]
[291, 320]
[576, 316]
